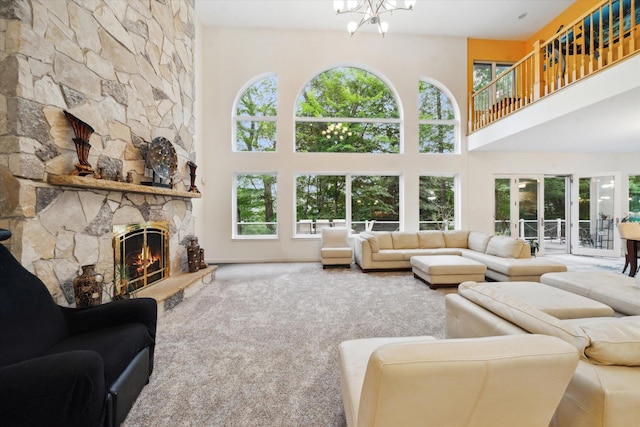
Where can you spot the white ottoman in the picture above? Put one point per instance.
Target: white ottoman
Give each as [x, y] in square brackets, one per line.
[446, 270]
[616, 290]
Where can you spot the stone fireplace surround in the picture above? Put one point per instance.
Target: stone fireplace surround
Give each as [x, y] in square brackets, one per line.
[126, 68]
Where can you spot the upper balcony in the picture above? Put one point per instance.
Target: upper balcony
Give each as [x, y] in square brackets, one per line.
[576, 92]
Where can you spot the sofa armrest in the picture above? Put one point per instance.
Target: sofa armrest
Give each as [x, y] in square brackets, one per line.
[115, 313]
[362, 252]
[65, 390]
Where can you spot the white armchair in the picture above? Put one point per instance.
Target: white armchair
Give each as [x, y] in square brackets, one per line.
[336, 249]
[512, 380]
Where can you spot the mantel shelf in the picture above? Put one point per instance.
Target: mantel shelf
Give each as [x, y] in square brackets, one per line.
[124, 187]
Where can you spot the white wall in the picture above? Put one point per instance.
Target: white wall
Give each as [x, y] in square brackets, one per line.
[232, 57]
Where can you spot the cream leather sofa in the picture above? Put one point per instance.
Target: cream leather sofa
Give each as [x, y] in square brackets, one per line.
[506, 258]
[605, 388]
[483, 382]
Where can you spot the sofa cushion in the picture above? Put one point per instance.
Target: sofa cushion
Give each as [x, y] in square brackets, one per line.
[456, 238]
[614, 341]
[387, 255]
[384, 239]
[431, 239]
[505, 247]
[336, 252]
[525, 252]
[514, 267]
[407, 254]
[404, 240]
[556, 302]
[478, 241]
[337, 237]
[521, 314]
[116, 345]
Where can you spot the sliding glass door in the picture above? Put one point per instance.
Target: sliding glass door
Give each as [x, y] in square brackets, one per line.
[518, 207]
[595, 214]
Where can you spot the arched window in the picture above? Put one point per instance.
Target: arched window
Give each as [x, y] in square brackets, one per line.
[438, 125]
[349, 110]
[255, 116]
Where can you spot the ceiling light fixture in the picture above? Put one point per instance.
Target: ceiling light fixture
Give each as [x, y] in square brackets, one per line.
[371, 11]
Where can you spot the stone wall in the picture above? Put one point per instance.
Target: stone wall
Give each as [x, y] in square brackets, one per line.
[124, 67]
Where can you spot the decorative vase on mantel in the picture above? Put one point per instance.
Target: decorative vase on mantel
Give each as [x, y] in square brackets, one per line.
[88, 287]
[83, 133]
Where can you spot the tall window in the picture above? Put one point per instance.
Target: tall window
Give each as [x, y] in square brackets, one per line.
[320, 202]
[347, 110]
[437, 120]
[437, 203]
[256, 213]
[255, 116]
[375, 203]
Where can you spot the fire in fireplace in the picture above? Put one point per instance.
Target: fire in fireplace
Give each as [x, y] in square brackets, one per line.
[141, 253]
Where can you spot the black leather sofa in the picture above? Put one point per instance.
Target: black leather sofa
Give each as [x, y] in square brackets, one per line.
[69, 367]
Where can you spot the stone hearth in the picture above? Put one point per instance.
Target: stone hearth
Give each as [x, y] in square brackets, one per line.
[171, 292]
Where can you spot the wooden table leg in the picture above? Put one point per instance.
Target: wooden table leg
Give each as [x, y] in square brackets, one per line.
[632, 253]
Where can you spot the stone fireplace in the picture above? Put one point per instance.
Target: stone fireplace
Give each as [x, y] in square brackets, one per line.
[126, 68]
[141, 255]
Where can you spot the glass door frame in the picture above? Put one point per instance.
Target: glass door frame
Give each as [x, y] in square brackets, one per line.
[576, 247]
[514, 216]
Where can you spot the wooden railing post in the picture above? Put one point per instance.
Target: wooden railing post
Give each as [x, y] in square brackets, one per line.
[537, 70]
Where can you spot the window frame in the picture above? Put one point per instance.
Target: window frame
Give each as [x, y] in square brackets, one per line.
[349, 200]
[455, 121]
[493, 95]
[234, 208]
[455, 187]
[329, 120]
[235, 118]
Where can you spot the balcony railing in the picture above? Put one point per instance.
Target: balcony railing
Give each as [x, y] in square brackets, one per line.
[607, 34]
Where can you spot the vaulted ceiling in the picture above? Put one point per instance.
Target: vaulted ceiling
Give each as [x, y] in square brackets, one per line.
[609, 124]
[492, 19]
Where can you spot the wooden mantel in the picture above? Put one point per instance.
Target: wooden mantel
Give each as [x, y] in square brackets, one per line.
[124, 187]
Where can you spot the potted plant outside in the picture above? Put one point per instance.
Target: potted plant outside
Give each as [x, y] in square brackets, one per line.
[534, 245]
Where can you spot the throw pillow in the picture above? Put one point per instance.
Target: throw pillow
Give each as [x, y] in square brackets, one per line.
[405, 240]
[613, 341]
[478, 241]
[384, 239]
[456, 239]
[505, 247]
[431, 239]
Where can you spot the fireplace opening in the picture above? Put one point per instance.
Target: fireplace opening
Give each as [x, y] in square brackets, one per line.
[141, 254]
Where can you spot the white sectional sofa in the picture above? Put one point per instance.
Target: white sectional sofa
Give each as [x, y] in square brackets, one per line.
[605, 388]
[506, 258]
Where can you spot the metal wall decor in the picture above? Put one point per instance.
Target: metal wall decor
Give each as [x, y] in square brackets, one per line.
[163, 161]
[83, 133]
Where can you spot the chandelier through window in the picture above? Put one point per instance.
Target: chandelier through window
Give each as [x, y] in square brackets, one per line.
[371, 11]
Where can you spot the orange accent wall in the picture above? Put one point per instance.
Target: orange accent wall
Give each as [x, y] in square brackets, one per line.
[513, 51]
[573, 12]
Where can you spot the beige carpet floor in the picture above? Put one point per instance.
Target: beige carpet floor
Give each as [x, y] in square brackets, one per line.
[258, 346]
